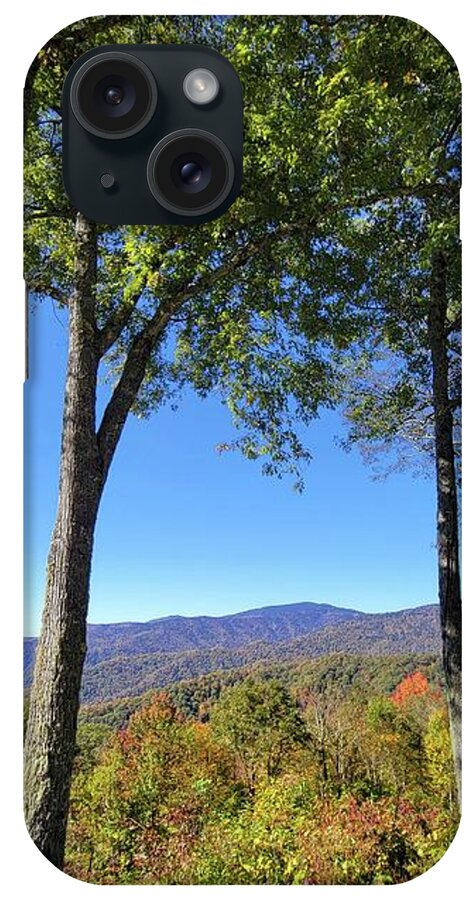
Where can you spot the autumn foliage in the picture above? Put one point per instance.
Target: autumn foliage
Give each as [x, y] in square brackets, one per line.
[414, 685]
[277, 786]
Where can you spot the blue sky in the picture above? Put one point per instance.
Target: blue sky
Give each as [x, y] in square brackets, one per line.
[185, 530]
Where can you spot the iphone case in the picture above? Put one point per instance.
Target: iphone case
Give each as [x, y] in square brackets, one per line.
[273, 695]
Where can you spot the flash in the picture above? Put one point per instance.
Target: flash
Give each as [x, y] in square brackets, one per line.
[201, 86]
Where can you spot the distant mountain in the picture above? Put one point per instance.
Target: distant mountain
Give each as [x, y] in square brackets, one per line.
[119, 670]
[406, 631]
[178, 633]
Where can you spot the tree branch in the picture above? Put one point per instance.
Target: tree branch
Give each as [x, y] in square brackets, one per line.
[454, 324]
[54, 212]
[424, 190]
[134, 369]
[125, 392]
[116, 322]
[450, 131]
[322, 22]
[36, 287]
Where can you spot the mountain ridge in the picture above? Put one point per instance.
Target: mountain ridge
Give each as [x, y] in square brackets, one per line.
[178, 633]
[120, 671]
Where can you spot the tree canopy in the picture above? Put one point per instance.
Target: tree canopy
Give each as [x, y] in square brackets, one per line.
[350, 179]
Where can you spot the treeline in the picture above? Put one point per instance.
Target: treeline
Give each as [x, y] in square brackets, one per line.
[273, 785]
[337, 674]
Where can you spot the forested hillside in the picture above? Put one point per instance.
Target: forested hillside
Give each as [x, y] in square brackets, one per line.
[131, 673]
[336, 674]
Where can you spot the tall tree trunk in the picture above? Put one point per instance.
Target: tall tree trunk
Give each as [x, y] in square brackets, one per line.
[50, 738]
[449, 586]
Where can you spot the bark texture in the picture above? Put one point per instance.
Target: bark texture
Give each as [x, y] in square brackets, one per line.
[50, 738]
[449, 585]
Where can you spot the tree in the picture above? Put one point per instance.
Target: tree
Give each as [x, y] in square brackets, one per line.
[414, 687]
[403, 387]
[438, 759]
[253, 303]
[125, 290]
[260, 722]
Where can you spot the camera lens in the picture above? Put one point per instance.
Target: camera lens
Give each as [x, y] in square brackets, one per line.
[113, 95]
[190, 172]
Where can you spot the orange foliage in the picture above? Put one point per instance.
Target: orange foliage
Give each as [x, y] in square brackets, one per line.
[414, 685]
